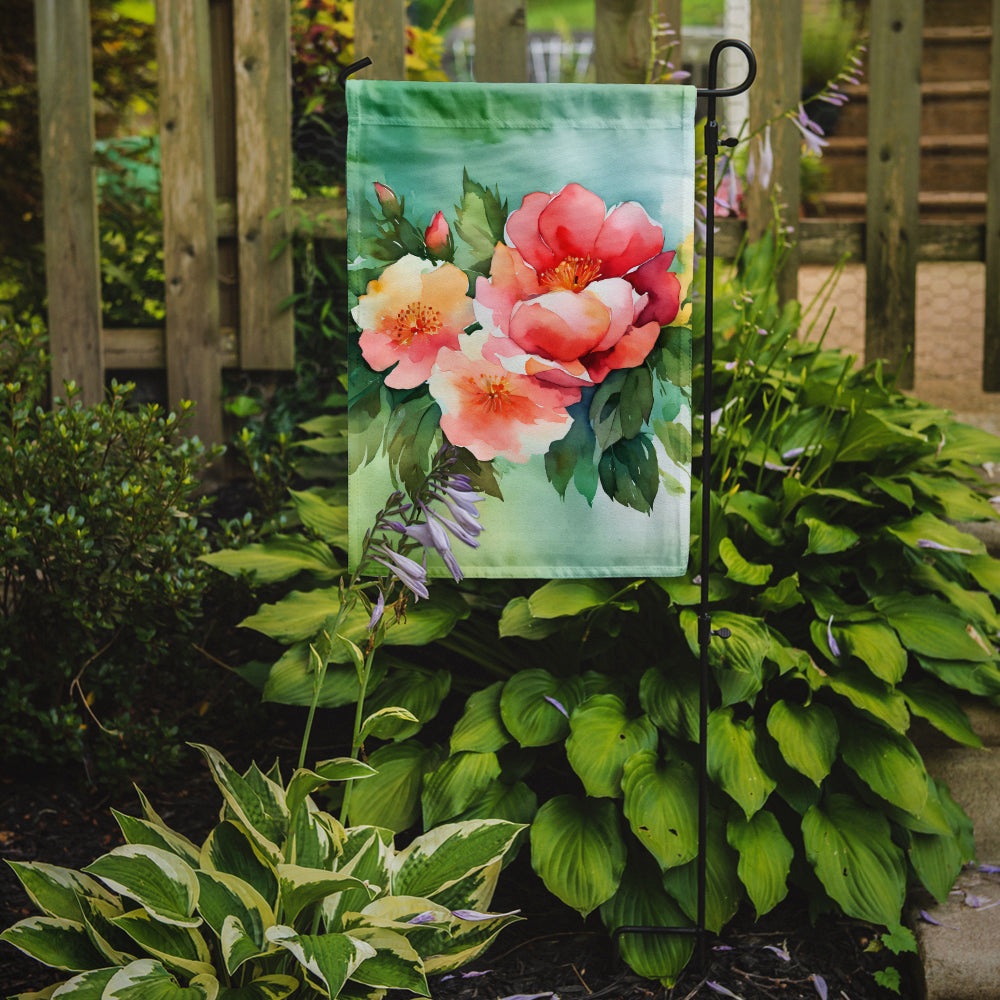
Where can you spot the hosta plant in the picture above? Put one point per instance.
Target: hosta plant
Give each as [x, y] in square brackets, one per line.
[279, 900]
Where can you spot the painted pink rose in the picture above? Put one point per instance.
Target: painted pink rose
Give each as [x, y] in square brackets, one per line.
[495, 412]
[413, 310]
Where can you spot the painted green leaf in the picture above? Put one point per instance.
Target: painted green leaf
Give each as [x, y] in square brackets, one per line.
[732, 760]
[765, 858]
[571, 459]
[752, 574]
[159, 881]
[936, 704]
[850, 848]
[827, 539]
[932, 628]
[641, 901]
[559, 598]
[676, 440]
[577, 850]
[411, 439]
[55, 890]
[602, 738]
[481, 727]
[330, 958]
[456, 784]
[147, 979]
[807, 736]
[661, 798]
[179, 948]
[629, 472]
[279, 558]
[671, 699]
[888, 763]
[54, 941]
[391, 798]
[479, 222]
[535, 706]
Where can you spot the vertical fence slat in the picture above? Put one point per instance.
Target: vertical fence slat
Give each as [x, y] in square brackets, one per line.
[991, 333]
[621, 40]
[501, 41]
[72, 257]
[380, 34]
[261, 31]
[776, 34]
[893, 183]
[190, 253]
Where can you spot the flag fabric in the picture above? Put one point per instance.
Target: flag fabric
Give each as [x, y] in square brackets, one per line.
[520, 260]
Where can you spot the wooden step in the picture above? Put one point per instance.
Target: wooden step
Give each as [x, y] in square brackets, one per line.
[956, 53]
[957, 206]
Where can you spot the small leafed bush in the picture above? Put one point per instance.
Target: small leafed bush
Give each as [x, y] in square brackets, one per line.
[99, 578]
[280, 899]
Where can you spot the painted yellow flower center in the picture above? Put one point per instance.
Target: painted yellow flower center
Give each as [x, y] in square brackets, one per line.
[492, 392]
[415, 320]
[572, 274]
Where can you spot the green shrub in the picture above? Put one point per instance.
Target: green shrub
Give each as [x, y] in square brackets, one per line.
[99, 541]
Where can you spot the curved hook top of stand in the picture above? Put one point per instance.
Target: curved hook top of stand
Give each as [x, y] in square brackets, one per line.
[713, 69]
[353, 68]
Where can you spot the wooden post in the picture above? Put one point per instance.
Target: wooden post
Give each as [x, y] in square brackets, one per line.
[72, 256]
[991, 333]
[893, 183]
[501, 36]
[776, 34]
[190, 254]
[380, 34]
[262, 61]
[622, 40]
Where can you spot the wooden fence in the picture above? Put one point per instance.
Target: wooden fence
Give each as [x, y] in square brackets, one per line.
[226, 162]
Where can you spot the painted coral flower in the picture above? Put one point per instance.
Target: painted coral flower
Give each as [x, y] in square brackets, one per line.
[495, 412]
[414, 309]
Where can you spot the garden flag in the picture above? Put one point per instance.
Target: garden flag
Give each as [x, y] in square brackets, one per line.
[520, 262]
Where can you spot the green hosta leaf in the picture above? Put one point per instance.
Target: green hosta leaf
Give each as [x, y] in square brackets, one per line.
[578, 851]
[965, 443]
[456, 784]
[976, 678]
[752, 574]
[180, 948]
[141, 831]
[395, 964]
[850, 847]
[387, 722]
[239, 944]
[937, 859]
[931, 628]
[876, 646]
[56, 891]
[893, 488]
[391, 798]
[304, 782]
[418, 690]
[870, 435]
[274, 987]
[481, 728]
[641, 901]
[957, 501]
[98, 914]
[225, 897]
[671, 700]
[765, 858]
[164, 885]
[230, 849]
[279, 558]
[54, 941]
[783, 595]
[828, 539]
[738, 661]
[292, 680]
[530, 706]
[517, 620]
[732, 760]
[888, 763]
[723, 889]
[327, 520]
[147, 979]
[558, 598]
[330, 959]
[661, 798]
[807, 736]
[865, 692]
[986, 572]
[941, 709]
[681, 590]
[440, 858]
[602, 738]
[928, 528]
[301, 887]
[760, 512]
[516, 803]
[976, 605]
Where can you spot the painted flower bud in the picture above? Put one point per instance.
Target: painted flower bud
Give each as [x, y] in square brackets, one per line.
[438, 236]
[391, 206]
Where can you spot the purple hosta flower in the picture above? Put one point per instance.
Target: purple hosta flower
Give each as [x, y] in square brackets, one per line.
[475, 915]
[761, 163]
[927, 918]
[410, 573]
[719, 988]
[427, 917]
[465, 975]
[377, 611]
[990, 869]
[780, 952]
[927, 543]
[557, 704]
[812, 134]
[431, 535]
[834, 648]
[820, 983]
[729, 195]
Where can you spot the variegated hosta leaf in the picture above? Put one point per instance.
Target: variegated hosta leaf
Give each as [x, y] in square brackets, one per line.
[304, 782]
[158, 880]
[441, 857]
[86, 986]
[732, 760]
[56, 891]
[230, 849]
[256, 801]
[177, 947]
[481, 727]
[141, 831]
[54, 941]
[367, 854]
[225, 897]
[642, 902]
[468, 939]
[475, 891]
[850, 847]
[578, 851]
[147, 979]
[807, 736]
[329, 959]
[395, 964]
[456, 784]
[315, 838]
[116, 947]
[602, 737]
[765, 858]
[274, 987]
[300, 887]
[661, 799]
